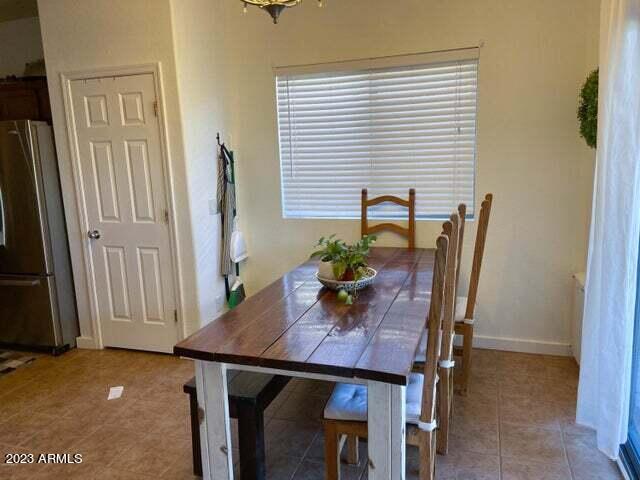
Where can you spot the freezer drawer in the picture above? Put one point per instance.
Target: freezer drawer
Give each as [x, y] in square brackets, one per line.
[29, 311]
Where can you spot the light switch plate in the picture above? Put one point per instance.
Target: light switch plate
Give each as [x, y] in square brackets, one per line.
[213, 207]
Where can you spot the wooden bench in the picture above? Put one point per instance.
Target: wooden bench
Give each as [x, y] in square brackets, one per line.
[249, 396]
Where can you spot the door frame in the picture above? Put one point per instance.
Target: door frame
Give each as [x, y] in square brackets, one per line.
[66, 78]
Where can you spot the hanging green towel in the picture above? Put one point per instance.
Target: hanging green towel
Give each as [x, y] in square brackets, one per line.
[237, 294]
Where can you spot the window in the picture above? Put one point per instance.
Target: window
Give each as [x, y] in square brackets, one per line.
[386, 124]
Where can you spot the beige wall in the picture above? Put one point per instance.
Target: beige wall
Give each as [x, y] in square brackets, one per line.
[90, 34]
[534, 58]
[198, 48]
[20, 43]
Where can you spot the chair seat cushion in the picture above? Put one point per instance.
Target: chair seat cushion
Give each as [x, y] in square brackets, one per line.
[349, 402]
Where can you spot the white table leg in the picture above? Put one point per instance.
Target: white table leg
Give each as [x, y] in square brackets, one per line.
[215, 434]
[386, 424]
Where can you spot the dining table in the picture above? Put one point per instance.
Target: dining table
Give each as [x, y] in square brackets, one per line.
[297, 327]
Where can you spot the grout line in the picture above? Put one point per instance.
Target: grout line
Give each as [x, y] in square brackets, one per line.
[295, 472]
[566, 456]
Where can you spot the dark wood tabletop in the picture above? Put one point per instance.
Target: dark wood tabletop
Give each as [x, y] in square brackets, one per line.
[297, 324]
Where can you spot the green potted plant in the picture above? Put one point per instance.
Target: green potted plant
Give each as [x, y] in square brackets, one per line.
[345, 262]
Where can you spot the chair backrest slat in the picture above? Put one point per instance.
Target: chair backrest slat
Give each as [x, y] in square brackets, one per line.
[409, 232]
[434, 327]
[478, 252]
[451, 229]
[462, 212]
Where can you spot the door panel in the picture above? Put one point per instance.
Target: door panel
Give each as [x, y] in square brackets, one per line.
[117, 283]
[140, 181]
[124, 191]
[24, 223]
[151, 284]
[105, 181]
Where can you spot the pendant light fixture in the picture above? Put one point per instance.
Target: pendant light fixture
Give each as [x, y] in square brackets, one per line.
[274, 7]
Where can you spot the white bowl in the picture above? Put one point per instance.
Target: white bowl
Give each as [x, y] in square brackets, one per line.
[349, 285]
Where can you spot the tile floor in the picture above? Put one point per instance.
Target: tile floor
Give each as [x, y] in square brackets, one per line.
[515, 424]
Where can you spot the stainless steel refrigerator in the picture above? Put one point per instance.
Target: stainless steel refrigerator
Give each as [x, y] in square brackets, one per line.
[37, 302]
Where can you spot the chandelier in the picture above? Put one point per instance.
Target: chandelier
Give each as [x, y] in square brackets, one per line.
[274, 7]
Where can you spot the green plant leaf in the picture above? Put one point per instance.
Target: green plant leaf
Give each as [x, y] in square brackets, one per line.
[338, 269]
[588, 109]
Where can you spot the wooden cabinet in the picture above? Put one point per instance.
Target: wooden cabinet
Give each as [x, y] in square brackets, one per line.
[25, 99]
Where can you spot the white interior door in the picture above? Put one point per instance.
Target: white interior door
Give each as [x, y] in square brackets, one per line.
[122, 175]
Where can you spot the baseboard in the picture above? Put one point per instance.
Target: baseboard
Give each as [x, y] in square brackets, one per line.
[521, 345]
[86, 342]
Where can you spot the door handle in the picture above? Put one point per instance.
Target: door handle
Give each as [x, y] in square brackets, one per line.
[19, 283]
[93, 234]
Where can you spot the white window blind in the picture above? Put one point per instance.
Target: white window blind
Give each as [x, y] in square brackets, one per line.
[387, 125]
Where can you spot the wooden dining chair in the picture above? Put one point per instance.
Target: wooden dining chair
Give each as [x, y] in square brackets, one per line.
[465, 307]
[409, 232]
[445, 365]
[346, 411]
[451, 229]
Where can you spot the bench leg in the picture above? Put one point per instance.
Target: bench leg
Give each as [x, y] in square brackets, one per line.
[251, 437]
[195, 435]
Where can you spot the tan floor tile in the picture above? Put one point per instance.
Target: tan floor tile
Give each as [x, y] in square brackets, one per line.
[514, 470]
[291, 438]
[19, 429]
[102, 446]
[486, 361]
[586, 461]
[149, 454]
[309, 470]
[59, 435]
[512, 364]
[141, 415]
[475, 437]
[303, 407]
[281, 467]
[530, 411]
[468, 410]
[85, 472]
[467, 466]
[524, 443]
[146, 435]
[480, 382]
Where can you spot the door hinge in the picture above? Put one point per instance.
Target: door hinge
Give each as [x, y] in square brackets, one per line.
[155, 108]
[175, 316]
[166, 216]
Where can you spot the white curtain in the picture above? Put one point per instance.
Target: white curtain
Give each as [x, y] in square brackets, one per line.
[605, 371]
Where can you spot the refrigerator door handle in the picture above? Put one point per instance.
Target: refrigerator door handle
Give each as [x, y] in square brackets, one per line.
[20, 283]
[3, 233]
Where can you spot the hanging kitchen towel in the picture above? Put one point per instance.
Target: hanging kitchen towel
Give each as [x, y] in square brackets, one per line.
[227, 199]
[238, 248]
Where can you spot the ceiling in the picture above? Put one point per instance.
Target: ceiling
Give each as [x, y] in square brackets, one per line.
[15, 9]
